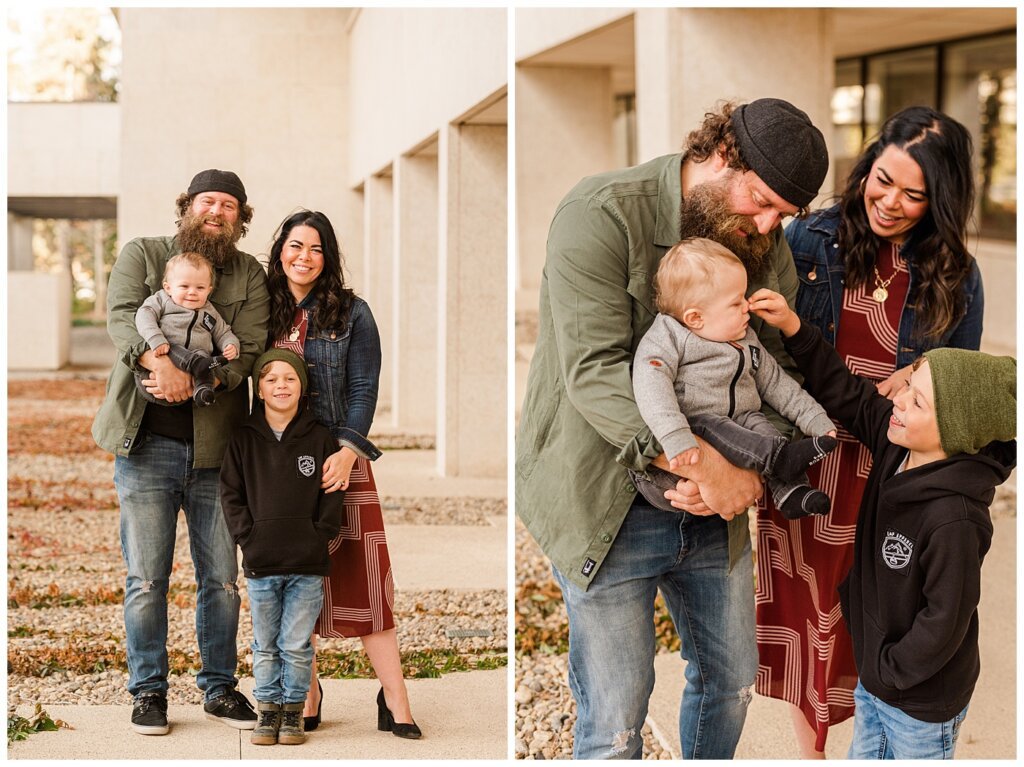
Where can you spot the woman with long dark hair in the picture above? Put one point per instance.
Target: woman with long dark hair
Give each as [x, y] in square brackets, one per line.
[313, 313]
[885, 274]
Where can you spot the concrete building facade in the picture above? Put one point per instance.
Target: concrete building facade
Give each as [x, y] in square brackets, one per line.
[393, 122]
[602, 88]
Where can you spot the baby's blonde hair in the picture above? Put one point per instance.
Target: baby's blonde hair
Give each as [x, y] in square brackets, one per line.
[687, 274]
[195, 260]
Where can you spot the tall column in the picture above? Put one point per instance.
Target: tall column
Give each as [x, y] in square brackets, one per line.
[564, 119]
[377, 279]
[683, 57]
[472, 320]
[19, 244]
[414, 398]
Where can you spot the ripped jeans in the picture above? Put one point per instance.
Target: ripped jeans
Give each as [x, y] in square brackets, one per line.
[611, 635]
[153, 483]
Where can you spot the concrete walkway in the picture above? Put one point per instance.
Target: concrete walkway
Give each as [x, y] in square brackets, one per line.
[988, 732]
[463, 716]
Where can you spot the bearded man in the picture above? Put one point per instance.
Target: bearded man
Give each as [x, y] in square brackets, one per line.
[168, 458]
[744, 170]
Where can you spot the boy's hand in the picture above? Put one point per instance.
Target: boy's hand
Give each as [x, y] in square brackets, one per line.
[773, 309]
[161, 350]
[231, 351]
[685, 458]
[892, 385]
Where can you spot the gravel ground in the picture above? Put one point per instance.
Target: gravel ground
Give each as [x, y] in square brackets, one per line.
[66, 575]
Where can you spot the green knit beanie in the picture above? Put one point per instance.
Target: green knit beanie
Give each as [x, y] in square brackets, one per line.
[293, 359]
[975, 398]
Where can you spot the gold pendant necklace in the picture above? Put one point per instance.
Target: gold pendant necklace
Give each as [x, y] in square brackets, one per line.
[880, 293]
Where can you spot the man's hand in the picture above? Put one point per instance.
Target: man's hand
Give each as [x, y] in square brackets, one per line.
[773, 309]
[714, 486]
[167, 382]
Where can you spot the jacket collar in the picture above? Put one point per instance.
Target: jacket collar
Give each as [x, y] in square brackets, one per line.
[670, 195]
[824, 221]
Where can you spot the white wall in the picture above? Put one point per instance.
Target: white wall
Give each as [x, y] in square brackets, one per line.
[63, 150]
[538, 29]
[260, 91]
[403, 91]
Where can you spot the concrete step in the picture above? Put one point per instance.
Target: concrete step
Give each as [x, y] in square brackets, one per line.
[462, 715]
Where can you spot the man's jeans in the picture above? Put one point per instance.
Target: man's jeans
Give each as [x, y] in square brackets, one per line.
[153, 483]
[881, 731]
[284, 611]
[611, 635]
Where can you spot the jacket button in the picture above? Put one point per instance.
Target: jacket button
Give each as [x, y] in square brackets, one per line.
[630, 489]
[831, 327]
[835, 245]
[812, 276]
[605, 538]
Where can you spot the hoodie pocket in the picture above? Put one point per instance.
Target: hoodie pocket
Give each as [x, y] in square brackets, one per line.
[276, 544]
[874, 639]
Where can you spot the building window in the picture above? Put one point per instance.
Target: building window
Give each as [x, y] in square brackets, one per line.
[973, 81]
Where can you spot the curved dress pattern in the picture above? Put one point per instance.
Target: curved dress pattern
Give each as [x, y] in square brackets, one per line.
[805, 652]
[359, 593]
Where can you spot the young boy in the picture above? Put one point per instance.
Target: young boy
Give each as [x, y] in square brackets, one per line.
[283, 521]
[179, 321]
[939, 450]
[700, 368]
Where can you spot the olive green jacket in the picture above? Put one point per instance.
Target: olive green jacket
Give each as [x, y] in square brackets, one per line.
[241, 298]
[580, 429]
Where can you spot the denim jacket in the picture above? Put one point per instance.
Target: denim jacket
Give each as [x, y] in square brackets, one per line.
[344, 373]
[819, 300]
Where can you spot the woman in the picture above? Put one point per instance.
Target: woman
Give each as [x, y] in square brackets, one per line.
[885, 275]
[315, 315]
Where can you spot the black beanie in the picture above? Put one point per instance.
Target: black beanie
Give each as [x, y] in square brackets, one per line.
[214, 180]
[778, 142]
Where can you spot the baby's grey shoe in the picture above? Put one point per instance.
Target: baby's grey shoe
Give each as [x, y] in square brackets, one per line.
[203, 395]
[796, 457]
[805, 501]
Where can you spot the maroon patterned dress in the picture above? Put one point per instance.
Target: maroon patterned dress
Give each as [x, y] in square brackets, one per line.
[359, 593]
[805, 653]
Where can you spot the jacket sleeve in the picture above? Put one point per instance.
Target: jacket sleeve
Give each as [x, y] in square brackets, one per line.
[968, 332]
[654, 372]
[222, 334]
[592, 313]
[147, 322]
[848, 399]
[233, 498]
[330, 506]
[787, 398]
[250, 325]
[362, 382]
[126, 291]
[951, 592]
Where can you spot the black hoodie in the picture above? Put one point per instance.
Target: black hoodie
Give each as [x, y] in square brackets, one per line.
[271, 496]
[911, 598]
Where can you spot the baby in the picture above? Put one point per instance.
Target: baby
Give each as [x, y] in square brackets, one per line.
[700, 368]
[179, 322]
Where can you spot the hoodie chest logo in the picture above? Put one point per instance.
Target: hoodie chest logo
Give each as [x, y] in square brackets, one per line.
[307, 465]
[755, 358]
[209, 322]
[897, 550]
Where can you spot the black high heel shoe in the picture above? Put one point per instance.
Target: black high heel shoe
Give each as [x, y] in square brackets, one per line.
[386, 721]
[312, 722]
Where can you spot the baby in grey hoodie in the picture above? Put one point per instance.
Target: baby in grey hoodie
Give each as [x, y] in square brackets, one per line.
[180, 322]
[700, 368]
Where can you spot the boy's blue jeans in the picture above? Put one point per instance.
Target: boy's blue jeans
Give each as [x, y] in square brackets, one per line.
[611, 635]
[881, 731]
[153, 483]
[284, 610]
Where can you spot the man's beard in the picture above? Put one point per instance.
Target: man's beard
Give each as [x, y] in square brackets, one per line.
[218, 247]
[705, 213]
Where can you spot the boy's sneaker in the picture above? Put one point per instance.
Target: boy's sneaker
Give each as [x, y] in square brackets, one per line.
[265, 733]
[233, 709]
[292, 731]
[149, 714]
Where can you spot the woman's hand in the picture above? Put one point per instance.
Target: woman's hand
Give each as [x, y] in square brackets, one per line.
[773, 309]
[892, 385]
[337, 469]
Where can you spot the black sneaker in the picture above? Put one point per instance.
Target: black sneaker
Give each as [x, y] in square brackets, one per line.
[233, 709]
[149, 714]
